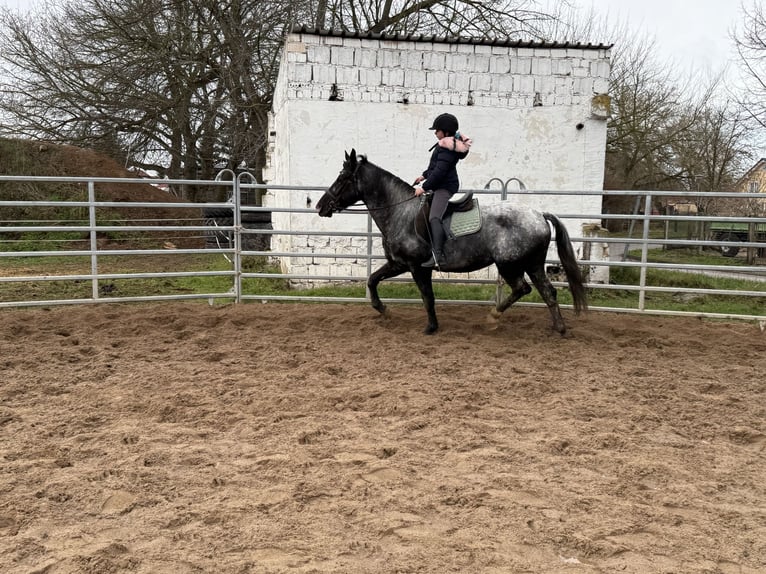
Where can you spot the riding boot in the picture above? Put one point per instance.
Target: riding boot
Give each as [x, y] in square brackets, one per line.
[437, 258]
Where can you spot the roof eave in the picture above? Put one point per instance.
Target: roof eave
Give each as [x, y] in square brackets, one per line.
[502, 42]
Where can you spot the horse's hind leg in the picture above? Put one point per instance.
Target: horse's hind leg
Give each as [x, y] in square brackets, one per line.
[386, 271]
[548, 293]
[519, 288]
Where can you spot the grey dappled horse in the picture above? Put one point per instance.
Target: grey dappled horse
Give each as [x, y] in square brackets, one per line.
[514, 238]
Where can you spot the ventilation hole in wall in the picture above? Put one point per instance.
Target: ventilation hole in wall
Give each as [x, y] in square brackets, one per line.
[335, 95]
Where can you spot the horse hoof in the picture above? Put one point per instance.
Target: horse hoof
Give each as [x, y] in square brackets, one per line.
[495, 314]
[492, 322]
[431, 329]
[382, 309]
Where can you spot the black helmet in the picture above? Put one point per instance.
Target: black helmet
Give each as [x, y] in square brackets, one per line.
[446, 123]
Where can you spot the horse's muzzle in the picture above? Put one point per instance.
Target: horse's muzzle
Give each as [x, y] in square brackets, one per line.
[325, 208]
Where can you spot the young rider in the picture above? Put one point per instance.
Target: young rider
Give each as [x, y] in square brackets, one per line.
[441, 178]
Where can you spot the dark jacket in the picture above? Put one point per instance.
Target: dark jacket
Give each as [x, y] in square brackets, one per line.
[442, 170]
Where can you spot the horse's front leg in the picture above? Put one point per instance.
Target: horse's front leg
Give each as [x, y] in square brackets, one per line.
[387, 271]
[422, 277]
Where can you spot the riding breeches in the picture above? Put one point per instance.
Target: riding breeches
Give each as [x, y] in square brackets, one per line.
[439, 204]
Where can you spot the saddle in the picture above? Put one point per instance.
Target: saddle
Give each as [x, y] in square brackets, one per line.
[462, 217]
[460, 202]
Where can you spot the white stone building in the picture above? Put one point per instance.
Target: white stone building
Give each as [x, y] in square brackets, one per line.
[536, 112]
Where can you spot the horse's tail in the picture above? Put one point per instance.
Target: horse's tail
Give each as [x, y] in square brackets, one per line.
[569, 262]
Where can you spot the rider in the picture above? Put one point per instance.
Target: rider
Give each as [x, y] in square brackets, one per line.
[441, 179]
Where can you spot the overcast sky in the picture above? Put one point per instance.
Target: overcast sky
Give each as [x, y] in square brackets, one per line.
[695, 33]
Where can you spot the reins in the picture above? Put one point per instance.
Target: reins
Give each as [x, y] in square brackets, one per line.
[368, 209]
[349, 208]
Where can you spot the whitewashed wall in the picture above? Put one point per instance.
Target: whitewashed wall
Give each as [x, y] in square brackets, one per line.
[535, 112]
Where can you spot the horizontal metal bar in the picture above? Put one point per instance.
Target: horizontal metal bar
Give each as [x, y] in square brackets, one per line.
[690, 290]
[107, 252]
[695, 314]
[52, 302]
[487, 282]
[405, 278]
[128, 180]
[111, 228]
[120, 204]
[100, 276]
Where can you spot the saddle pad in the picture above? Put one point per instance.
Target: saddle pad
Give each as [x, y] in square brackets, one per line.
[465, 222]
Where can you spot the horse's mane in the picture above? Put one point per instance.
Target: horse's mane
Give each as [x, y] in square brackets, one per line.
[388, 177]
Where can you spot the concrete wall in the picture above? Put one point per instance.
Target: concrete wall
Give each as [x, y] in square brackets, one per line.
[536, 112]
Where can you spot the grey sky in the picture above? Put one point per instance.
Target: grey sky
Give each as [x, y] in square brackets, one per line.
[695, 34]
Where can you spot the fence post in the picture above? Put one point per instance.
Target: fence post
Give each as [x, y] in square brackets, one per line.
[237, 240]
[632, 224]
[369, 251]
[644, 250]
[752, 237]
[93, 239]
[503, 197]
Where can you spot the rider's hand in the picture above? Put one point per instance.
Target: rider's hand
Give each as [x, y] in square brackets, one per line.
[419, 191]
[456, 144]
[418, 179]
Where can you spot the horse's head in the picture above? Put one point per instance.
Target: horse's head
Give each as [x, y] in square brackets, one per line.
[344, 190]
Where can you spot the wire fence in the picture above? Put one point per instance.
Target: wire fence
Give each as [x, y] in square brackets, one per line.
[87, 249]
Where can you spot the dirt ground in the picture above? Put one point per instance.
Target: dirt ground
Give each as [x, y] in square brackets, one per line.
[182, 438]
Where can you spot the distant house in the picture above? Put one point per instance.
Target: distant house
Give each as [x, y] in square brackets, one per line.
[754, 181]
[151, 174]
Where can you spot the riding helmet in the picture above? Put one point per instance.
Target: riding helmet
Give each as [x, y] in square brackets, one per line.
[446, 123]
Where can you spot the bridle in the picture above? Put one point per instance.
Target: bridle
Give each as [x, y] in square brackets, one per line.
[335, 198]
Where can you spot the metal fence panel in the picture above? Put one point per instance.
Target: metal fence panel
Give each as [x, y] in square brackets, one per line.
[62, 239]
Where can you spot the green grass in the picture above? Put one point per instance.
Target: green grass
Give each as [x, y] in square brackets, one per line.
[675, 230]
[676, 301]
[689, 256]
[198, 284]
[133, 287]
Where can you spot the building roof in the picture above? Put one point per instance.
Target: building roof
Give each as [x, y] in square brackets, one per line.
[760, 164]
[505, 42]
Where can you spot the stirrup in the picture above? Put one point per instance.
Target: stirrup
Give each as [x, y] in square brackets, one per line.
[434, 261]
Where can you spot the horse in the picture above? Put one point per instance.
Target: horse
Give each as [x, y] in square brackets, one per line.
[512, 237]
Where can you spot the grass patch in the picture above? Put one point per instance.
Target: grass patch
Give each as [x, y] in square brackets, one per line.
[691, 256]
[677, 301]
[209, 284]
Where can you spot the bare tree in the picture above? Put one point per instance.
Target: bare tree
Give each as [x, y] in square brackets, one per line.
[715, 149]
[668, 130]
[180, 86]
[651, 114]
[490, 18]
[177, 84]
[750, 44]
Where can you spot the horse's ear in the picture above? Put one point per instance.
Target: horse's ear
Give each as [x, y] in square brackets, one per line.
[347, 156]
[352, 157]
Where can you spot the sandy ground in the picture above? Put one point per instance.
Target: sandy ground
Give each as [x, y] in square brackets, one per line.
[174, 438]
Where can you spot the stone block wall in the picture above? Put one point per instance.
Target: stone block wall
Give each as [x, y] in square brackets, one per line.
[435, 73]
[536, 112]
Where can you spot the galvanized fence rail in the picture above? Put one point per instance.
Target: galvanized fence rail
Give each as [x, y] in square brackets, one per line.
[237, 274]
